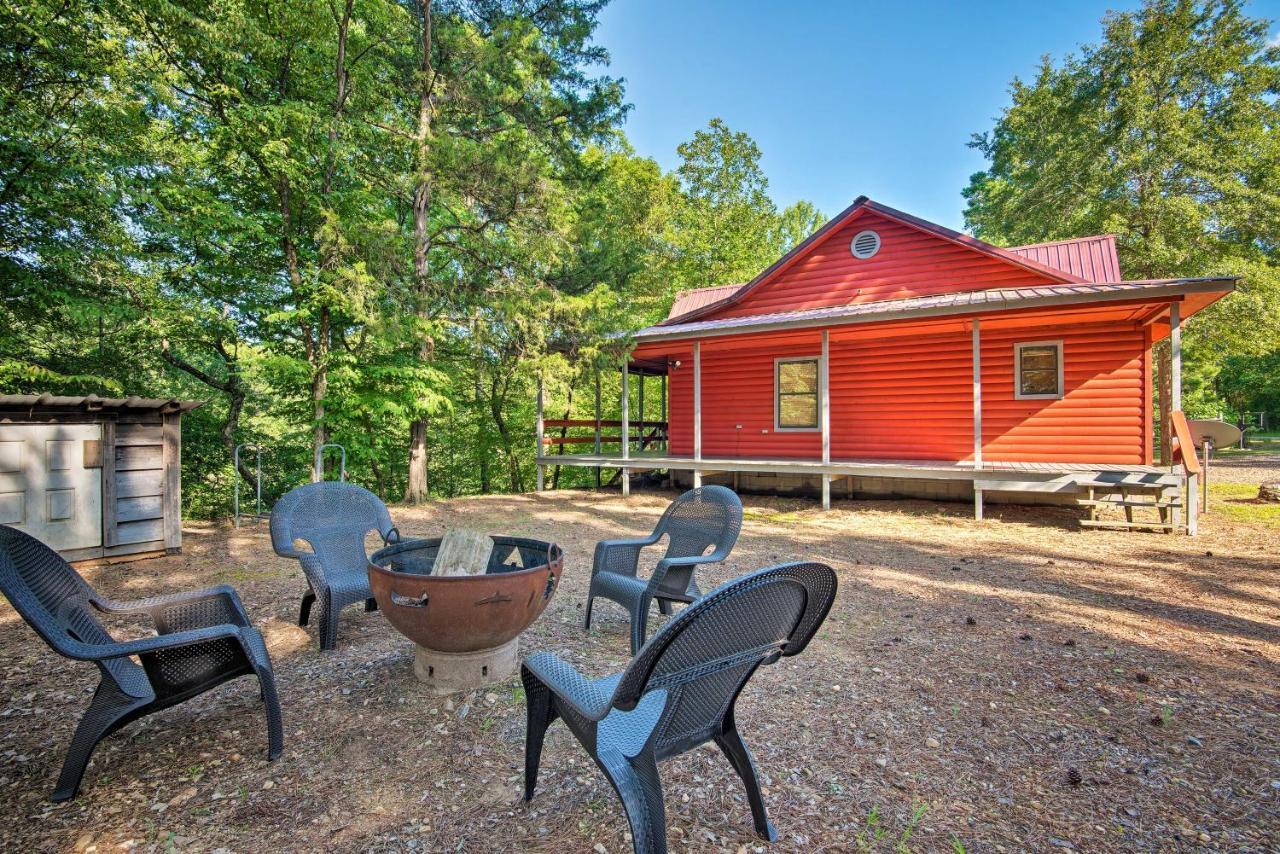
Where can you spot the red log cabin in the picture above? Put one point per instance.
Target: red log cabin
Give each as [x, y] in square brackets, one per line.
[889, 355]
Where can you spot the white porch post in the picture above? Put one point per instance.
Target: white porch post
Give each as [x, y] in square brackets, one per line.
[640, 446]
[626, 428]
[597, 425]
[662, 408]
[824, 395]
[540, 431]
[1189, 494]
[977, 413]
[1175, 352]
[697, 413]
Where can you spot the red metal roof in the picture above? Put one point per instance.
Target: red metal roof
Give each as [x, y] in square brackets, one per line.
[861, 204]
[690, 301]
[1091, 258]
[963, 302]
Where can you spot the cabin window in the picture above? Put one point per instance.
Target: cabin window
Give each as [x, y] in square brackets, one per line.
[1038, 370]
[796, 383]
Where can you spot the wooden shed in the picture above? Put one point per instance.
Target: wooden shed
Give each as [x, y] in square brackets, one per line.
[95, 478]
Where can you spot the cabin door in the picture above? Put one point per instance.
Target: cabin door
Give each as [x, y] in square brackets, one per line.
[51, 482]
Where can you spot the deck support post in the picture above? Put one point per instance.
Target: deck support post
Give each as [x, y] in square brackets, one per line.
[662, 415]
[626, 427]
[1189, 496]
[697, 413]
[540, 429]
[640, 444]
[824, 395]
[977, 413]
[597, 425]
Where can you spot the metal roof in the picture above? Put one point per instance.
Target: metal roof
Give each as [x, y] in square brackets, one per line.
[860, 205]
[93, 403]
[965, 302]
[1093, 259]
[692, 300]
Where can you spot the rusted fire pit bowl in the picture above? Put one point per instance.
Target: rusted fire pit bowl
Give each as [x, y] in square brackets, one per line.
[466, 627]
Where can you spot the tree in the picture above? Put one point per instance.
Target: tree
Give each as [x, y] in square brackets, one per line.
[1165, 134]
[795, 224]
[724, 231]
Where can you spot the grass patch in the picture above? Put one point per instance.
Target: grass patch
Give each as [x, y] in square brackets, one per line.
[1239, 503]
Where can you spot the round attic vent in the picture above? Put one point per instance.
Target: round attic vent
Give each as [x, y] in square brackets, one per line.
[865, 244]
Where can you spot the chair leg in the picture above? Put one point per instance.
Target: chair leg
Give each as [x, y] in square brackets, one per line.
[271, 705]
[304, 613]
[740, 757]
[328, 626]
[110, 709]
[640, 789]
[640, 623]
[664, 607]
[370, 605]
[541, 713]
[586, 617]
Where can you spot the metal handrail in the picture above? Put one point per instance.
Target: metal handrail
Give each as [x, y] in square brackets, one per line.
[318, 467]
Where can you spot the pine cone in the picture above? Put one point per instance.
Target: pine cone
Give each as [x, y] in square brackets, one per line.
[1073, 776]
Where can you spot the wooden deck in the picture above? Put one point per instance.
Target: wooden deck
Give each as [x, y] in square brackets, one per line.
[915, 469]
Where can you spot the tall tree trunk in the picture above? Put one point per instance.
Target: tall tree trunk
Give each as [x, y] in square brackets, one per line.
[319, 388]
[320, 351]
[231, 387]
[419, 485]
[482, 446]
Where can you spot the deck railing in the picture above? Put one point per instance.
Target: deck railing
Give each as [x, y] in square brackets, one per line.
[641, 434]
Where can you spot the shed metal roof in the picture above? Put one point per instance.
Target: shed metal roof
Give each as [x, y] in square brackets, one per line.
[93, 403]
[963, 302]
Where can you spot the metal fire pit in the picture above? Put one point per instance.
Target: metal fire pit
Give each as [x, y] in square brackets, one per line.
[466, 627]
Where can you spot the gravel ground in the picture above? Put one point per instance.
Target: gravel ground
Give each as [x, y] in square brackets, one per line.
[1015, 684]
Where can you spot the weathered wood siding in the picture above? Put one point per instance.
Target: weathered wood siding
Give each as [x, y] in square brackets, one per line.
[140, 487]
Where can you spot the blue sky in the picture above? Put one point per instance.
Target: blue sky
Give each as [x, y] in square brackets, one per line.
[843, 98]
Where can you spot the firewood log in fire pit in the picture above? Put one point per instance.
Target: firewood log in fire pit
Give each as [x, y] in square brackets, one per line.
[1269, 492]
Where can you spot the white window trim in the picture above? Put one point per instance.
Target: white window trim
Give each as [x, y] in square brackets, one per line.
[1017, 371]
[777, 400]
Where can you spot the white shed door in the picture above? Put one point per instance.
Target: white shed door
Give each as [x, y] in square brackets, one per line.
[45, 488]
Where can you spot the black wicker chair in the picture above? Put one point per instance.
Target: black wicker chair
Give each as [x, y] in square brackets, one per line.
[333, 518]
[680, 691]
[707, 517]
[204, 639]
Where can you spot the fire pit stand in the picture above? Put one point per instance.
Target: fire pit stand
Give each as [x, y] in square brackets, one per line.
[466, 627]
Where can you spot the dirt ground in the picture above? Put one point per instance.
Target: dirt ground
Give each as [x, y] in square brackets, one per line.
[1015, 684]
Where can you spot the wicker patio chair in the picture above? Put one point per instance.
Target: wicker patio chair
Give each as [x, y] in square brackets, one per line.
[710, 516]
[680, 691]
[333, 518]
[203, 639]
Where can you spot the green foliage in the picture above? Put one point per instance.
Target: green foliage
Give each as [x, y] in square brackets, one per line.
[294, 214]
[1162, 133]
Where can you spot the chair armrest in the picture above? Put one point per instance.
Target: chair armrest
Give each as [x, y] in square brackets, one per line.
[102, 651]
[184, 607]
[622, 556]
[589, 698]
[660, 571]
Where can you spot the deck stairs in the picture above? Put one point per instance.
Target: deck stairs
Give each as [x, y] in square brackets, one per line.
[1149, 503]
